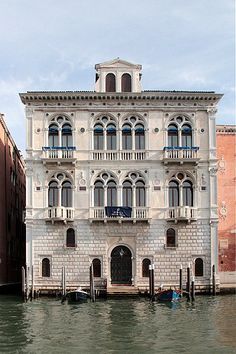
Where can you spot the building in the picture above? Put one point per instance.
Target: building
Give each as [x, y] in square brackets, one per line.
[122, 178]
[226, 153]
[12, 207]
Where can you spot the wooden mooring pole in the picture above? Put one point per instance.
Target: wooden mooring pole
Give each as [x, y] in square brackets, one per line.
[23, 283]
[213, 280]
[150, 279]
[32, 283]
[92, 290]
[193, 290]
[153, 282]
[188, 282]
[181, 279]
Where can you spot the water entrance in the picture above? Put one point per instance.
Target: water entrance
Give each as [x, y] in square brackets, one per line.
[121, 265]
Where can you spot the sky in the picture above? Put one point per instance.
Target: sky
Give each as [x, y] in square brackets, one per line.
[55, 44]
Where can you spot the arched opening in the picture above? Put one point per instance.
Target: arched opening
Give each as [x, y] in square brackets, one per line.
[145, 267]
[140, 193]
[172, 135]
[139, 137]
[66, 195]
[186, 134]
[70, 238]
[53, 194]
[53, 135]
[127, 194]
[111, 137]
[187, 193]
[111, 193]
[110, 83]
[126, 83]
[98, 194]
[198, 267]
[98, 137]
[121, 265]
[126, 137]
[45, 267]
[170, 238]
[66, 135]
[96, 268]
[173, 194]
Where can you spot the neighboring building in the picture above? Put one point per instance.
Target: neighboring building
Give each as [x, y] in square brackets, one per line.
[226, 153]
[122, 178]
[12, 207]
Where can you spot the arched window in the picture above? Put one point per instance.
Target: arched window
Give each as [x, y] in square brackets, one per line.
[98, 194]
[53, 135]
[97, 268]
[70, 238]
[53, 194]
[45, 267]
[198, 267]
[66, 135]
[126, 83]
[145, 267]
[187, 193]
[139, 137]
[140, 193]
[111, 194]
[98, 137]
[111, 137]
[66, 194]
[173, 194]
[110, 83]
[60, 132]
[127, 194]
[170, 238]
[186, 134]
[172, 135]
[126, 137]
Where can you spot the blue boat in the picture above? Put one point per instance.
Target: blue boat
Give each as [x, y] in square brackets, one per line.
[169, 295]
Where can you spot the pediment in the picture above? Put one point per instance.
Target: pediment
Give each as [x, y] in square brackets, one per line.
[118, 63]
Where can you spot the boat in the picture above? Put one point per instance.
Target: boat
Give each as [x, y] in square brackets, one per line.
[169, 295]
[77, 295]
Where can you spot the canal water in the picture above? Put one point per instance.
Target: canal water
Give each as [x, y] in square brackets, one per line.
[118, 326]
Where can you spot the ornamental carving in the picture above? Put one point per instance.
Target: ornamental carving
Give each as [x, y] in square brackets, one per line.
[213, 171]
[223, 211]
[221, 165]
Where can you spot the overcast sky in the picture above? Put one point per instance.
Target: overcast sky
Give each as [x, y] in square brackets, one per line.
[54, 45]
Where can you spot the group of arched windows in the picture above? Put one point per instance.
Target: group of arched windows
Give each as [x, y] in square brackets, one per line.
[126, 83]
[60, 191]
[60, 132]
[180, 132]
[198, 267]
[180, 190]
[133, 190]
[106, 137]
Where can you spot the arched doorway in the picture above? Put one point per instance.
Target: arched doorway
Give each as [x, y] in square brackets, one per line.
[121, 265]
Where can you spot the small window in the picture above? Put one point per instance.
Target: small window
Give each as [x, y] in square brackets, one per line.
[45, 267]
[97, 268]
[198, 267]
[126, 83]
[145, 267]
[70, 238]
[170, 238]
[110, 83]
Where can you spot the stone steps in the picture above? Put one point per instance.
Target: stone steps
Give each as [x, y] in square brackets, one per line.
[122, 291]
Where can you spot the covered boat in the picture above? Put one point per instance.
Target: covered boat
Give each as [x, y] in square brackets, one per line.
[77, 295]
[169, 295]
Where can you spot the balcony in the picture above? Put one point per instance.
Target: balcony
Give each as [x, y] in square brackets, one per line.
[135, 214]
[63, 214]
[58, 154]
[180, 155]
[183, 213]
[114, 155]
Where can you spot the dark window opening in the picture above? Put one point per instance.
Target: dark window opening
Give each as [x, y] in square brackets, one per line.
[110, 83]
[70, 238]
[45, 267]
[199, 267]
[170, 238]
[97, 268]
[145, 267]
[126, 83]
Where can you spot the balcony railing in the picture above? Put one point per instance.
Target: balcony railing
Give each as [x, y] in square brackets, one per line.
[113, 155]
[137, 214]
[181, 154]
[60, 214]
[59, 152]
[187, 213]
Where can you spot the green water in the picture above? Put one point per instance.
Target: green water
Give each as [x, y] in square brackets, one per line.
[118, 326]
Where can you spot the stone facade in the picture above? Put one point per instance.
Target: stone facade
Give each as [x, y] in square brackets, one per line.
[226, 140]
[151, 152]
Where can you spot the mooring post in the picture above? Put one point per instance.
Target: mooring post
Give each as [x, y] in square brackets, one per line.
[92, 292]
[153, 283]
[188, 282]
[150, 279]
[64, 280]
[181, 279]
[193, 289]
[32, 282]
[213, 280]
[27, 282]
[23, 283]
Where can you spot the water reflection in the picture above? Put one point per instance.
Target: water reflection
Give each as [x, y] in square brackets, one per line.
[118, 326]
